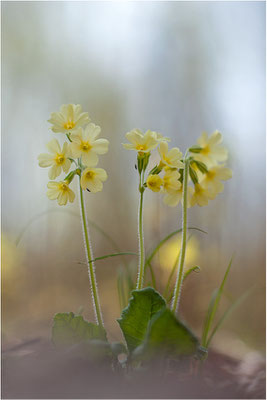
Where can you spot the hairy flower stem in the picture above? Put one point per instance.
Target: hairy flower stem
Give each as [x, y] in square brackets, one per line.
[180, 271]
[89, 257]
[141, 268]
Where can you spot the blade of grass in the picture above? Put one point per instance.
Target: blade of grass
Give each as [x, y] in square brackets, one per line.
[193, 269]
[152, 276]
[120, 287]
[161, 243]
[214, 303]
[232, 307]
[196, 268]
[108, 256]
[93, 224]
[165, 293]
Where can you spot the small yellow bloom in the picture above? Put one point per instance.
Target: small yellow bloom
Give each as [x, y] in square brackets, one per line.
[143, 143]
[201, 195]
[212, 152]
[61, 192]
[154, 182]
[57, 160]
[92, 179]
[84, 144]
[212, 179]
[161, 138]
[69, 118]
[174, 197]
[171, 181]
[170, 158]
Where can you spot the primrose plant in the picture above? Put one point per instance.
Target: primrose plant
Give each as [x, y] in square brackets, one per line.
[150, 327]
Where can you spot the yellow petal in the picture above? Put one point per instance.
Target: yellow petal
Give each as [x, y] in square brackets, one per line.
[45, 160]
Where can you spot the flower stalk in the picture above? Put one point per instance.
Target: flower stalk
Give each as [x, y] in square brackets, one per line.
[180, 272]
[89, 257]
[141, 266]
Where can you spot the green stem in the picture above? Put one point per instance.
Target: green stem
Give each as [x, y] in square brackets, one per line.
[141, 268]
[89, 256]
[179, 279]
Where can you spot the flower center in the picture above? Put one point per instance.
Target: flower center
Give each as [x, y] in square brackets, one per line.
[59, 159]
[205, 150]
[90, 174]
[141, 147]
[198, 189]
[85, 146]
[210, 175]
[64, 187]
[69, 125]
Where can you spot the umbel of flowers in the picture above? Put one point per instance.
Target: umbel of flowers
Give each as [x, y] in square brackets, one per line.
[191, 179]
[77, 156]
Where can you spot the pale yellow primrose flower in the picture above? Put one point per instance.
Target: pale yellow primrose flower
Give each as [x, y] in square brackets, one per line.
[69, 118]
[84, 144]
[154, 182]
[211, 152]
[61, 192]
[140, 142]
[170, 158]
[201, 195]
[57, 160]
[174, 197]
[92, 179]
[170, 181]
[161, 138]
[212, 179]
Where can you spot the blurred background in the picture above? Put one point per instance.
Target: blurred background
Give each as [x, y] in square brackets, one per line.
[175, 67]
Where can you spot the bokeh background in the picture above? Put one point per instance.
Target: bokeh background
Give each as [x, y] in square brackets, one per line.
[175, 67]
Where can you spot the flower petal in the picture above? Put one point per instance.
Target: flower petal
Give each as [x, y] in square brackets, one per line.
[100, 146]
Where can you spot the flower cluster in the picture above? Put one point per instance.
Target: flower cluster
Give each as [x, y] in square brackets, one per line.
[205, 167]
[81, 150]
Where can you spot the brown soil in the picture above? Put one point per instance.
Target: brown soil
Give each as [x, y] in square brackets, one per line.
[35, 370]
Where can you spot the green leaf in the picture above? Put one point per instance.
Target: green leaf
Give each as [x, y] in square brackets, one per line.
[69, 329]
[161, 243]
[213, 305]
[167, 336]
[135, 319]
[226, 314]
[108, 256]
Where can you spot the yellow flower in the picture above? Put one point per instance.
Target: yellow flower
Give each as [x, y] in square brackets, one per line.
[174, 197]
[57, 160]
[170, 158]
[61, 192]
[92, 179]
[84, 144]
[154, 182]
[170, 181]
[69, 118]
[161, 138]
[212, 179]
[201, 195]
[211, 152]
[140, 142]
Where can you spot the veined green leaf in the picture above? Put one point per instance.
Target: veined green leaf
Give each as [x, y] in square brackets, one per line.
[167, 336]
[134, 321]
[69, 329]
